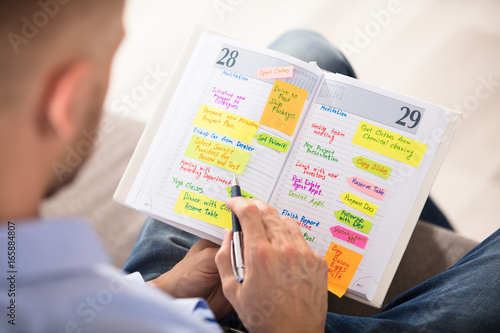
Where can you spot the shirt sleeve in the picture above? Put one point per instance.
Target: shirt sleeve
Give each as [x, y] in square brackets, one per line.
[198, 307]
[134, 277]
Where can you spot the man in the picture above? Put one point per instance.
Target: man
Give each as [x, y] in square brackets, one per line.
[55, 60]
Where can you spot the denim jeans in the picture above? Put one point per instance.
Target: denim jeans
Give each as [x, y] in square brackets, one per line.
[464, 298]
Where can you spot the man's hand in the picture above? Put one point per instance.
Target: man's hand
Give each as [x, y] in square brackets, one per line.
[196, 276]
[285, 284]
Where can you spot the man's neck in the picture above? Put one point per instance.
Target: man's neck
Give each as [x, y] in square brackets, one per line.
[15, 208]
[21, 189]
[22, 167]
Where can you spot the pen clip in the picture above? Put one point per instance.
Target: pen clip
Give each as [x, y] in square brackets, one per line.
[234, 264]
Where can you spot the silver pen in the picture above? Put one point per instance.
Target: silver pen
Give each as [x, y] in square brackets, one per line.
[237, 242]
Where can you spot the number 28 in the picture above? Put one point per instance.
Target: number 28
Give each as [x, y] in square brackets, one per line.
[414, 116]
[231, 60]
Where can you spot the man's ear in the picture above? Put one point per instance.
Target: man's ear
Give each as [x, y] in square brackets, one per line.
[63, 103]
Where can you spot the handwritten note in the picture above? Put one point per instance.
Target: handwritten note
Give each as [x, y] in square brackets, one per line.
[217, 154]
[389, 144]
[316, 172]
[303, 222]
[202, 171]
[353, 220]
[366, 187]
[375, 168]
[282, 72]
[358, 203]
[321, 130]
[342, 264]
[273, 142]
[182, 183]
[318, 150]
[226, 99]
[226, 123]
[203, 208]
[283, 107]
[305, 184]
[223, 138]
[349, 236]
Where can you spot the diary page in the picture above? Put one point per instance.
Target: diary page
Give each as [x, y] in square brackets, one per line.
[353, 175]
[236, 109]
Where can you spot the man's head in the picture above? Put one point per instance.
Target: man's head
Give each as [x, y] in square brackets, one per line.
[55, 58]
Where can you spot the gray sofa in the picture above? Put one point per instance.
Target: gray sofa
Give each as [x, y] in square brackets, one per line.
[431, 249]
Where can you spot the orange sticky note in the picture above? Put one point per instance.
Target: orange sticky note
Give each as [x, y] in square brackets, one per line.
[342, 264]
[283, 107]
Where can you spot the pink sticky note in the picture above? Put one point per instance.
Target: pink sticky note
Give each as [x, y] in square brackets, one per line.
[366, 187]
[282, 72]
[349, 236]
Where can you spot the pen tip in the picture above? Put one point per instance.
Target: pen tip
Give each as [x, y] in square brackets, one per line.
[235, 181]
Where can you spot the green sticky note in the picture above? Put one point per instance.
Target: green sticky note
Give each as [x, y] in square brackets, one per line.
[272, 142]
[353, 220]
[376, 168]
[244, 194]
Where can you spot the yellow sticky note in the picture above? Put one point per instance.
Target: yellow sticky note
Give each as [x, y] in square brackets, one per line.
[389, 144]
[226, 123]
[218, 154]
[283, 107]
[203, 208]
[342, 264]
[359, 203]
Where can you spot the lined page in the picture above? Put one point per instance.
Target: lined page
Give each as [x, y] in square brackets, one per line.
[351, 199]
[212, 129]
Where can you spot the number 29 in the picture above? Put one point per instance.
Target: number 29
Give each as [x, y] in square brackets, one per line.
[414, 116]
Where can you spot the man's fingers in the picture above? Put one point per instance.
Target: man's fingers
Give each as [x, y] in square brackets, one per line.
[202, 244]
[249, 216]
[259, 221]
[293, 229]
[275, 228]
[223, 262]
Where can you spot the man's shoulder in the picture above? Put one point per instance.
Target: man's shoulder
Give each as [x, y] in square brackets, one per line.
[62, 278]
[44, 247]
